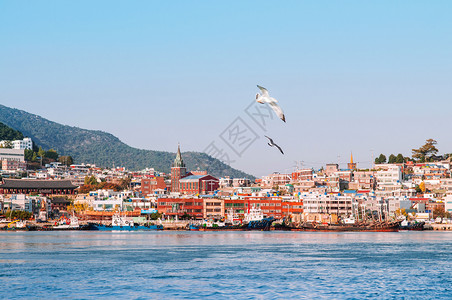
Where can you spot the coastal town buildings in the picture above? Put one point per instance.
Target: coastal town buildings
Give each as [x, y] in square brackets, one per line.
[416, 188]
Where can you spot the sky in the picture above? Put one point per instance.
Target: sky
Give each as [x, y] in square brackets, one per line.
[366, 77]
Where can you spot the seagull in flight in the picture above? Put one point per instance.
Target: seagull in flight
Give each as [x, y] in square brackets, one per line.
[271, 144]
[265, 98]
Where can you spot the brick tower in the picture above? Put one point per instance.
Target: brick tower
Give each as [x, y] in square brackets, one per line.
[178, 171]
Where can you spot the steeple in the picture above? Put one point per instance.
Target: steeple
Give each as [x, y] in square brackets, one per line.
[351, 164]
[178, 162]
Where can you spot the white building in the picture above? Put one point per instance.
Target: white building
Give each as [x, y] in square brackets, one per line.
[341, 205]
[12, 154]
[448, 204]
[389, 179]
[26, 143]
[107, 205]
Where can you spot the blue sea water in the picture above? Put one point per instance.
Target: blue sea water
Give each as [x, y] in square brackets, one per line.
[216, 265]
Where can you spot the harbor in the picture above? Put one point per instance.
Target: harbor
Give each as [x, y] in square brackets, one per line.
[232, 264]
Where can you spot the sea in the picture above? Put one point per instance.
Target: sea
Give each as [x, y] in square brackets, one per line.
[225, 265]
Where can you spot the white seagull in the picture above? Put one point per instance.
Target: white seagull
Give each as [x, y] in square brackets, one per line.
[265, 98]
[271, 144]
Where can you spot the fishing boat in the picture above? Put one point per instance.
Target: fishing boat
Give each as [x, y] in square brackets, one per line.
[363, 226]
[413, 225]
[253, 220]
[120, 223]
[65, 223]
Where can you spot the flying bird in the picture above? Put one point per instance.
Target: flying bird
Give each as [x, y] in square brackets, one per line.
[265, 98]
[271, 144]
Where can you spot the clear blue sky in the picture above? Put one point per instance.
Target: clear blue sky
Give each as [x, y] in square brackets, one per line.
[350, 75]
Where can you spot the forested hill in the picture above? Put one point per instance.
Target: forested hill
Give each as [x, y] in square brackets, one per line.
[104, 149]
[9, 134]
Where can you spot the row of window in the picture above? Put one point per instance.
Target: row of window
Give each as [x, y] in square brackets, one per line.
[189, 185]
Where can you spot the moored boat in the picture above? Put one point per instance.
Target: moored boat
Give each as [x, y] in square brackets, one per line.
[120, 223]
[372, 227]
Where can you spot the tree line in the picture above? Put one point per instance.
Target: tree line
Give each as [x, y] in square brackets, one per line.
[426, 153]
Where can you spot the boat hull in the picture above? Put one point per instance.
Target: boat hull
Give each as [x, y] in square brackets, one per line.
[389, 227]
[124, 228]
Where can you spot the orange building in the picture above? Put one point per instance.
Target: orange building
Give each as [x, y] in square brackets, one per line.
[149, 185]
[178, 207]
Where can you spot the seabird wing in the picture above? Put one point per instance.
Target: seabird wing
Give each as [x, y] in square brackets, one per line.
[271, 141]
[278, 110]
[279, 148]
[263, 91]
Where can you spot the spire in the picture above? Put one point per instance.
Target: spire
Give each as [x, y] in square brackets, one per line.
[178, 162]
[351, 157]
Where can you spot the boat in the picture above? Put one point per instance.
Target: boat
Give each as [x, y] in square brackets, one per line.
[254, 220]
[65, 223]
[193, 227]
[120, 223]
[418, 226]
[389, 226]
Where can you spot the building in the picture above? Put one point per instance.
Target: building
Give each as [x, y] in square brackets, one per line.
[351, 165]
[178, 171]
[198, 184]
[363, 180]
[389, 179]
[35, 186]
[13, 165]
[331, 169]
[12, 154]
[149, 185]
[340, 205]
[172, 207]
[448, 204]
[213, 208]
[26, 143]
[276, 180]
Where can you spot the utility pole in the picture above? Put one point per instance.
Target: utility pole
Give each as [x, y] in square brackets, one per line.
[372, 161]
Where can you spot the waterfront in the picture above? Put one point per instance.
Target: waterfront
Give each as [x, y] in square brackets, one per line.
[142, 265]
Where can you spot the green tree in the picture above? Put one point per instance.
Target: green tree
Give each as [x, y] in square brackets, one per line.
[381, 159]
[90, 180]
[399, 159]
[52, 154]
[41, 152]
[9, 134]
[66, 160]
[28, 154]
[392, 159]
[426, 151]
[34, 157]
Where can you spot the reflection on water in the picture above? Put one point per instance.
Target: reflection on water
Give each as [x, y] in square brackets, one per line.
[224, 264]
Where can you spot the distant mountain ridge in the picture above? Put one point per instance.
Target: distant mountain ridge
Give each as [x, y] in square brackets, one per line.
[104, 149]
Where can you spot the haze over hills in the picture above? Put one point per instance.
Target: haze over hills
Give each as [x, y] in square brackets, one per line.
[104, 149]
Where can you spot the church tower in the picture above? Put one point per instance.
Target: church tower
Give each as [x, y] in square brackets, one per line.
[178, 171]
[351, 164]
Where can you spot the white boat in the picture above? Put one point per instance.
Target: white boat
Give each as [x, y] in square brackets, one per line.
[67, 223]
[118, 220]
[232, 218]
[254, 214]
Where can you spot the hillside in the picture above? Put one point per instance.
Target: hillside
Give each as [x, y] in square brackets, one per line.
[9, 134]
[104, 149]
